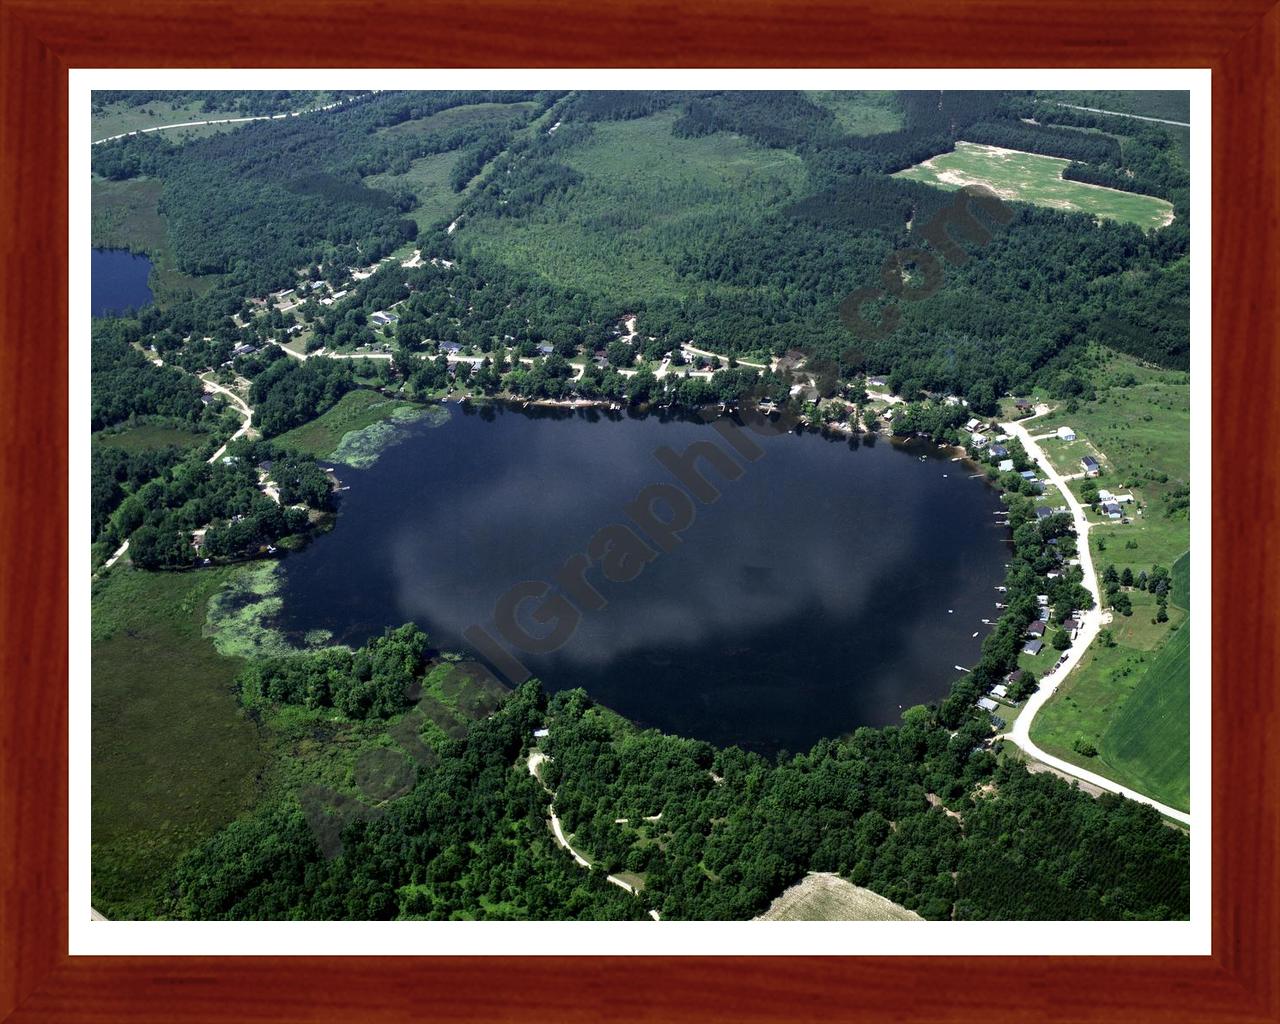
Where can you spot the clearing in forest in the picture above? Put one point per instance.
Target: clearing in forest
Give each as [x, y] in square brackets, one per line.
[1031, 178]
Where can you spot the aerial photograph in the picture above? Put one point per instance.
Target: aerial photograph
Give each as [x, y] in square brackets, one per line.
[580, 505]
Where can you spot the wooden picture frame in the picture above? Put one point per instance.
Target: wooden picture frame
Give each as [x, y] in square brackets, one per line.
[41, 39]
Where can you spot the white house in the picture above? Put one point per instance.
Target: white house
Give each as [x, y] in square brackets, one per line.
[979, 441]
[1066, 434]
[1005, 466]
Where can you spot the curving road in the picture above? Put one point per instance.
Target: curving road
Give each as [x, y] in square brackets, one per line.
[536, 757]
[241, 407]
[1091, 623]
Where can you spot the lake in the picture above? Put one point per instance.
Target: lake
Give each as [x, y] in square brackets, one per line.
[118, 281]
[831, 585]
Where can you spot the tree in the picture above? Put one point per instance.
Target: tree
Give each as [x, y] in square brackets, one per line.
[1084, 748]
[1061, 640]
[1107, 638]
[1126, 577]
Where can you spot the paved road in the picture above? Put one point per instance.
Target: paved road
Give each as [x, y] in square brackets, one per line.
[231, 120]
[1091, 623]
[1117, 113]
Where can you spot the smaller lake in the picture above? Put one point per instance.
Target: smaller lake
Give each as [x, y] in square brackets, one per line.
[118, 282]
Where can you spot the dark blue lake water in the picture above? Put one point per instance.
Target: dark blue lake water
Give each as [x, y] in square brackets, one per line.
[118, 282]
[828, 587]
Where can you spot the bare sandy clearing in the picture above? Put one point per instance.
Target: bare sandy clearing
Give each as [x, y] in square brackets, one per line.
[824, 896]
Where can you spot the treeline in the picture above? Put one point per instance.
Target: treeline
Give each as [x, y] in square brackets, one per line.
[243, 102]
[714, 834]
[375, 681]
[1048, 140]
[619, 104]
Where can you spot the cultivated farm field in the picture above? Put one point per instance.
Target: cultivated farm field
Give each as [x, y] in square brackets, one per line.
[1031, 178]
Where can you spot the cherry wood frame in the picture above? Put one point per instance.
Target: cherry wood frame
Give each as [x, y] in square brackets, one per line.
[41, 39]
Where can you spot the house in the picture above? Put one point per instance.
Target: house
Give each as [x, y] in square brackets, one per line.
[1028, 474]
[1071, 625]
[1032, 646]
[987, 704]
[1021, 404]
[1042, 600]
[1105, 495]
[1014, 676]
[1111, 510]
[1006, 466]
[243, 350]
[1036, 628]
[380, 318]
[451, 348]
[1044, 613]
[1043, 511]
[1090, 465]
[999, 451]
[1000, 690]
[979, 441]
[545, 349]
[973, 424]
[540, 733]
[1066, 434]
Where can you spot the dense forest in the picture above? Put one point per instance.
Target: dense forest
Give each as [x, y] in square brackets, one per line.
[715, 834]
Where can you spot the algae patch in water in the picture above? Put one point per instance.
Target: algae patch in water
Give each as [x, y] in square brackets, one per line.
[238, 616]
[361, 448]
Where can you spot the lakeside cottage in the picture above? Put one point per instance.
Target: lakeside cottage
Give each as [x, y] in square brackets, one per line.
[979, 441]
[1032, 646]
[987, 704]
[1028, 474]
[1006, 466]
[999, 451]
[1036, 628]
[1043, 511]
[1000, 690]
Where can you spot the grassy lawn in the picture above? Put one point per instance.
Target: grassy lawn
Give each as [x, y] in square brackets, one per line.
[355, 411]
[642, 189]
[126, 215]
[1132, 701]
[174, 758]
[149, 436]
[1030, 178]
[869, 112]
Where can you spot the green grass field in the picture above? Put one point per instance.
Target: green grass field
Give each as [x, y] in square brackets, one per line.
[1030, 178]
[870, 112]
[1131, 701]
[149, 436]
[173, 756]
[642, 187]
[428, 179]
[118, 118]
[356, 410]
